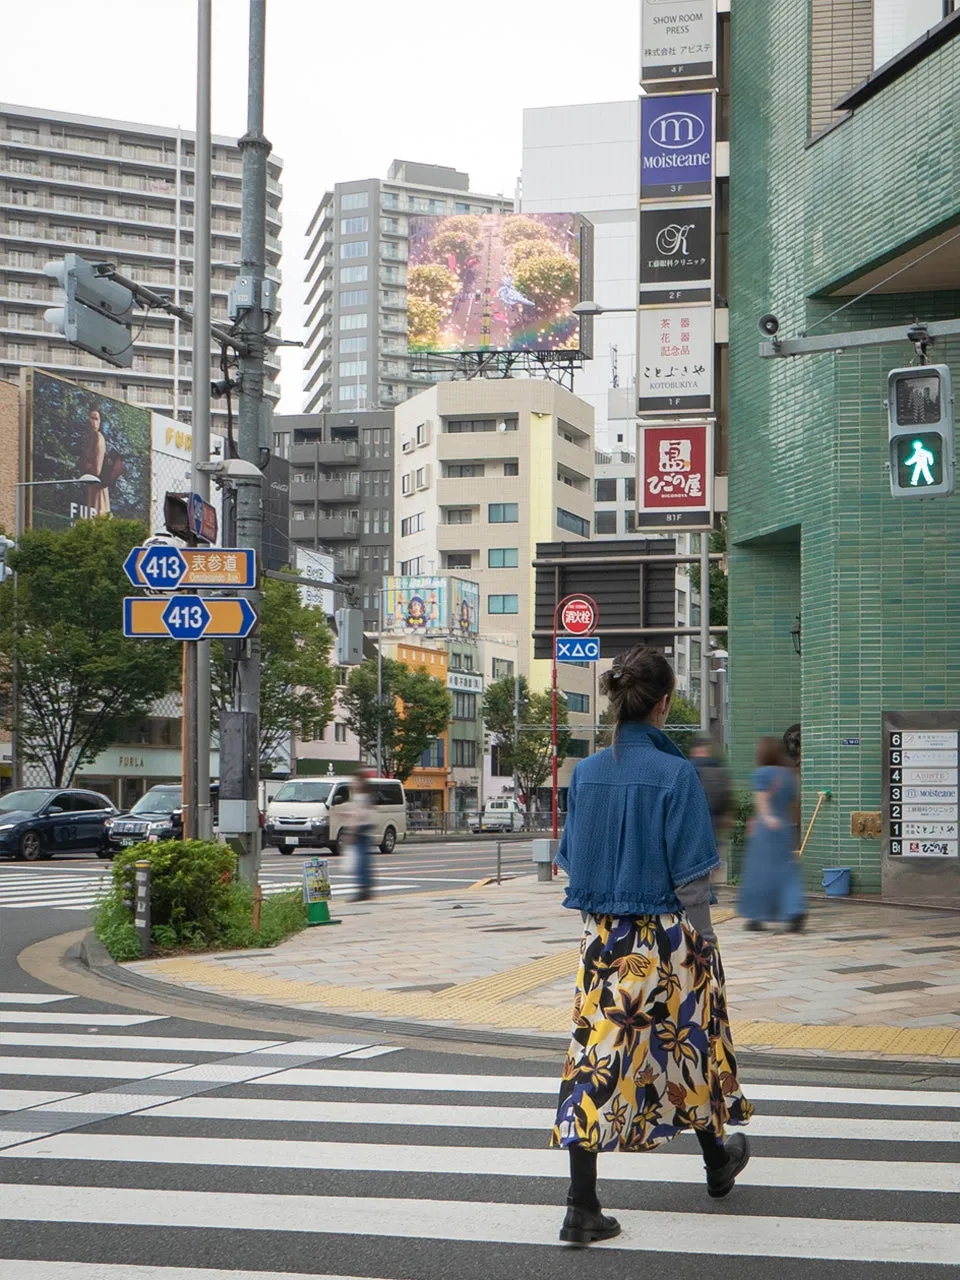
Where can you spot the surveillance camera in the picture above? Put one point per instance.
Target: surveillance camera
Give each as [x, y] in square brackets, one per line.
[769, 325]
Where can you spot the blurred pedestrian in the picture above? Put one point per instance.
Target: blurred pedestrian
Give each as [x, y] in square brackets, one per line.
[651, 1053]
[715, 778]
[772, 888]
[359, 818]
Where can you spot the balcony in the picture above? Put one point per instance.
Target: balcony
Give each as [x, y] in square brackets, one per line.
[326, 529]
[328, 453]
[346, 566]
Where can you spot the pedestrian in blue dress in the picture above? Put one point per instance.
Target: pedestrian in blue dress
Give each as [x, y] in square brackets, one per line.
[772, 887]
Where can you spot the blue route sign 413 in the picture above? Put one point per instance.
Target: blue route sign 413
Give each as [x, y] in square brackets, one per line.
[160, 567]
[578, 648]
[186, 617]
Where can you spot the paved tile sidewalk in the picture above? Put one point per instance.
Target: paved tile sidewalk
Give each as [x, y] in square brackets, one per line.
[862, 979]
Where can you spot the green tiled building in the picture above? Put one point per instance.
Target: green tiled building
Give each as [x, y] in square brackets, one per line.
[843, 175]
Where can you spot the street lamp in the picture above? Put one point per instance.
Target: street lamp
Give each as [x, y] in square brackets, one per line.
[14, 689]
[591, 308]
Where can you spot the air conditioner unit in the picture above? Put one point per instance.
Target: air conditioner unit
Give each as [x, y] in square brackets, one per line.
[407, 446]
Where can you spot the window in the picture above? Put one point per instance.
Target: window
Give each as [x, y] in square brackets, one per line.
[502, 513]
[353, 275]
[413, 524]
[895, 25]
[356, 391]
[462, 470]
[511, 468]
[605, 521]
[355, 200]
[468, 662]
[350, 345]
[502, 604]
[355, 249]
[605, 490]
[503, 558]
[463, 752]
[458, 515]
[390, 200]
[578, 702]
[498, 768]
[353, 368]
[630, 489]
[501, 669]
[460, 207]
[464, 706]
[459, 560]
[423, 433]
[573, 524]
[432, 758]
[389, 793]
[354, 298]
[578, 749]
[354, 226]
[411, 568]
[419, 204]
[463, 426]
[339, 733]
[630, 520]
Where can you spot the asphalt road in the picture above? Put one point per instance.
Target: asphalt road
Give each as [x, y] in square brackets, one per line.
[138, 1143]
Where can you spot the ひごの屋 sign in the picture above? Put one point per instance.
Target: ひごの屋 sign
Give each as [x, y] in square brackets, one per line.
[675, 475]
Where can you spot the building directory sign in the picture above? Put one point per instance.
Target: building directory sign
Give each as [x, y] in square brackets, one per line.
[675, 475]
[676, 145]
[676, 253]
[674, 359]
[921, 784]
[678, 39]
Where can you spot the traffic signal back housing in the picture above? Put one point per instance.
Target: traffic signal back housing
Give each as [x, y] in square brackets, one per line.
[920, 425]
[97, 313]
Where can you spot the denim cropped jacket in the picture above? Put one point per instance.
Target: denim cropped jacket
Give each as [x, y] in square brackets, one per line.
[638, 827]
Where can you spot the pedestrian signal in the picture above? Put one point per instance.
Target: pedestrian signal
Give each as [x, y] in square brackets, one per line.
[920, 422]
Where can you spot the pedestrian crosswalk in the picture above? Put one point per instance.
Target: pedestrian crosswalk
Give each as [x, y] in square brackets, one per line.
[137, 1147]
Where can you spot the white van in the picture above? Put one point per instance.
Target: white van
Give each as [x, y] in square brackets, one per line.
[305, 814]
[504, 814]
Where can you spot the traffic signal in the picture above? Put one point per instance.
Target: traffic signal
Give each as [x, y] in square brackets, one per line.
[6, 546]
[349, 649]
[920, 416]
[97, 315]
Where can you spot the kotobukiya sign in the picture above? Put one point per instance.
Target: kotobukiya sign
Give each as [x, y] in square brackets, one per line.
[675, 475]
[674, 359]
[676, 253]
[678, 39]
[676, 145]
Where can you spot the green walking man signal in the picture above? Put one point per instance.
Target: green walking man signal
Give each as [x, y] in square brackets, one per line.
[920, 422]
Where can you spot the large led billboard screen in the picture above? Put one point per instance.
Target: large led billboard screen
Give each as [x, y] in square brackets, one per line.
[73, 432]
[494, 282]
[431, 606]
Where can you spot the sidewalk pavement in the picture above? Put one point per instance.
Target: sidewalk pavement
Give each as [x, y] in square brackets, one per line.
[863, 980]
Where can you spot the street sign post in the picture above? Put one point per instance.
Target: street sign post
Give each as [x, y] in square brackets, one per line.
[578, 649]
[165, 568]
[188, 618]
[578, 615]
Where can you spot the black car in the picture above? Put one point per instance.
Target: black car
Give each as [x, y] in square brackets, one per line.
[157, 815]
[37, 822]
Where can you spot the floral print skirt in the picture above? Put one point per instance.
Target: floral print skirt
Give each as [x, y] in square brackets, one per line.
[651, 1052]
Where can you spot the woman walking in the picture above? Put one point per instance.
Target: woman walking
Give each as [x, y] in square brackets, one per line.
[772, 884]
[651, 1053]
[360, 819]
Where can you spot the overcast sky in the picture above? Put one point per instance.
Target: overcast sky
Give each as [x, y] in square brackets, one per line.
[351, 84]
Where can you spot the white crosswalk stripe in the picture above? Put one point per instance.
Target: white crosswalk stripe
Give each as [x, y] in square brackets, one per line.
[273, 1143]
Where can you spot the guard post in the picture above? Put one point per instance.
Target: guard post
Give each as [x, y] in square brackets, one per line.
[141, 919]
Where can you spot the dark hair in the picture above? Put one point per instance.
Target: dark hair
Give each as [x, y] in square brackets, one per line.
[770, 751]
[636, 682]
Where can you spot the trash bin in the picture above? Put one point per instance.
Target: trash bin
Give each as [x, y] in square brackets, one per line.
[836, 881]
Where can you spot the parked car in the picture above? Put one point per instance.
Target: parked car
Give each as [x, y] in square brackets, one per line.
[501, 815]
[304, 814]
[157, 815]
[38, 822]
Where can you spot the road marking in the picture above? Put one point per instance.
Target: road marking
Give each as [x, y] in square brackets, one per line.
[20, 1099]
[24, 997]
[22, 1269]
[251, 1153]
[82, 1019]
[85, 1068]
[176, 1044]
[711, 1234]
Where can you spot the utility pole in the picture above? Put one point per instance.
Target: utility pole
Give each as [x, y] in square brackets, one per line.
[240, 728]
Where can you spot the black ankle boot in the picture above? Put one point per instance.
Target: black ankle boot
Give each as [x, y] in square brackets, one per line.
[720, 1180]
[583, 1227]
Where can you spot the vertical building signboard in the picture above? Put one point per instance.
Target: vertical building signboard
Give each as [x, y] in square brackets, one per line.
[676, 145]
[674, 360]
[678, 40]
[676, 253]
[920, 799]
[675, 475]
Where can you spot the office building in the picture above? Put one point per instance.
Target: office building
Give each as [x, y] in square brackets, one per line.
[356, 283]
[341, 495]
[115, 191]
[484, 470]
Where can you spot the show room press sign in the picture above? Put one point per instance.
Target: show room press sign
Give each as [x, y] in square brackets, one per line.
[676, 145]
[678, 39]
[675, 476]
[921, 789]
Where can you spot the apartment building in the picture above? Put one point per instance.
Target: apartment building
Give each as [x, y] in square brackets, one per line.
[484, 470]
[341, 495]
[112, 190]
[356, 283]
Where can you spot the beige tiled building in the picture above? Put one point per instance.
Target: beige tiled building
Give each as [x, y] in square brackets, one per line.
[484, 470]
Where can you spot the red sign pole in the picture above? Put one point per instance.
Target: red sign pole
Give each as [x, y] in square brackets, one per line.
[582, 621]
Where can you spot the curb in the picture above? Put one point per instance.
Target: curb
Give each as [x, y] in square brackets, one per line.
[94, 957]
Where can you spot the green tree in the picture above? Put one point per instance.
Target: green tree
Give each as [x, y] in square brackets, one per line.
[414, 709]
[718, 578]
[79, 680]
[297, 682]
[423, 323]
[549, 280]
[682, 711]
[433, 283]
[527, 754]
